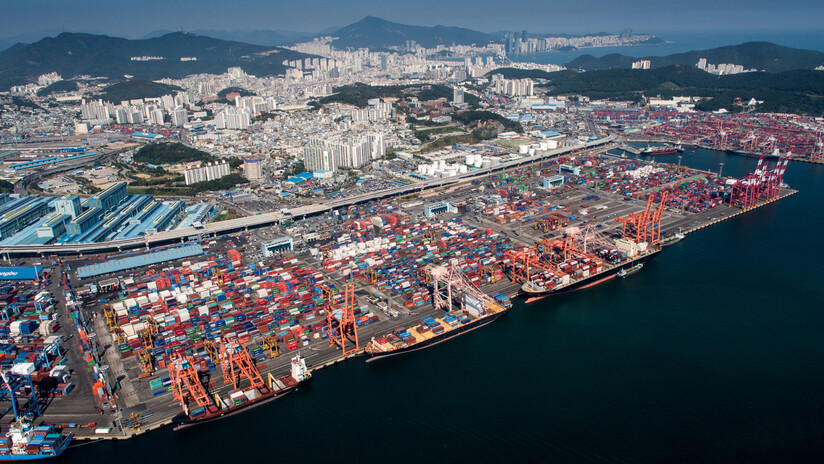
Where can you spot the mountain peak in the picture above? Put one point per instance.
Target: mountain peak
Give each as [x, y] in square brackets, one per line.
[372, 19]
[374, 32]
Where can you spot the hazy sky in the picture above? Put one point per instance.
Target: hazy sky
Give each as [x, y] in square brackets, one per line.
[137, 18]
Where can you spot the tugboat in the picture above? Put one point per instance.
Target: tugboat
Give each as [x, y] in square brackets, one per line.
[628, 272]
[672, 239]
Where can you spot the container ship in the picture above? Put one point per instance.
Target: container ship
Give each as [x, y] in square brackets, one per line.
[543, 285]
[771, 156]
[434, 330]
[242, 400]
[24, 442]
[659, 150]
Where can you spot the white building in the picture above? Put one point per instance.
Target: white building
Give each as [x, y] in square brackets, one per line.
[96, 110]
[641, 64]
[233, 118]
[513, 87]
[253, 168]
[180, 117]
[211, 171]
[343, 152]
[458, 95]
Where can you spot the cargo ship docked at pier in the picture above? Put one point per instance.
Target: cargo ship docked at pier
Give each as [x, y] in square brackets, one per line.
[432, 331]
[775, 155]
[659, 150]
[539, 287]
[24, 442]
[241, 400]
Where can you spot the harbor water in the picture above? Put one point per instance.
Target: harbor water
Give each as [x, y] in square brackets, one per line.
[713, 352]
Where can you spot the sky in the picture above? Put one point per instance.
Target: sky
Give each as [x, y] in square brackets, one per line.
[135, 19]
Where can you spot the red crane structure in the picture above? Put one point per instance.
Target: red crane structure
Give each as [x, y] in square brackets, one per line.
[449, 283]
[720, 142]
[236, 363]
[525, 261]
[762, 184]
[341, 321]
[186, 383]
[646, 226]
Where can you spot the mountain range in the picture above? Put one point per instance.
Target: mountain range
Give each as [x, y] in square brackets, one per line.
[763, 56]
[268, 37]
[379, 33]
[73, 54]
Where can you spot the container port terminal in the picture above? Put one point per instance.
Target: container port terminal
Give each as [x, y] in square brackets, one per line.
[352, 277]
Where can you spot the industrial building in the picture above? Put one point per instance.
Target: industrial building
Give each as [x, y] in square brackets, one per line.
[85, 221]
[277, 245]
[69, 204]
[109, 198]
[21, 214]
[553, 182]
[111, 214]
[54, 226]
[439, 208]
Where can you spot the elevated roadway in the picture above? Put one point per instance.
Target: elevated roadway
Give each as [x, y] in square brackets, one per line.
[268, 219]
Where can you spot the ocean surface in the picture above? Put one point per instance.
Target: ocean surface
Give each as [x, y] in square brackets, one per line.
[679, 42]
[714, 352]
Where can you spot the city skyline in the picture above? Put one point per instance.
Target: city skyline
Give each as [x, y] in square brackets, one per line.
[51, 16]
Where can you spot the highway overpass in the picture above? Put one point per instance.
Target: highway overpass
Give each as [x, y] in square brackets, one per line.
[268, 219]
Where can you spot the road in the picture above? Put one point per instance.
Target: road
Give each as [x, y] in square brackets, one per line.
[266, 219]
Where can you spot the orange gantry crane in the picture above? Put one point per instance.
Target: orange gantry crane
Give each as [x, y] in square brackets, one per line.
[424, 276]
[646, 226]
[237, 363]
[547, 224]
[488, 274]
[524, 262]
[341, 321]
[431, 235]
[186, 382]
[370, 276]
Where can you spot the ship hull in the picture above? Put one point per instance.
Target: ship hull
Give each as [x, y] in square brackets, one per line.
[593, 280]
[671, 242]
[753, 155]
[668, 151]
[182, 421]
[33, 457]
[478, 323]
